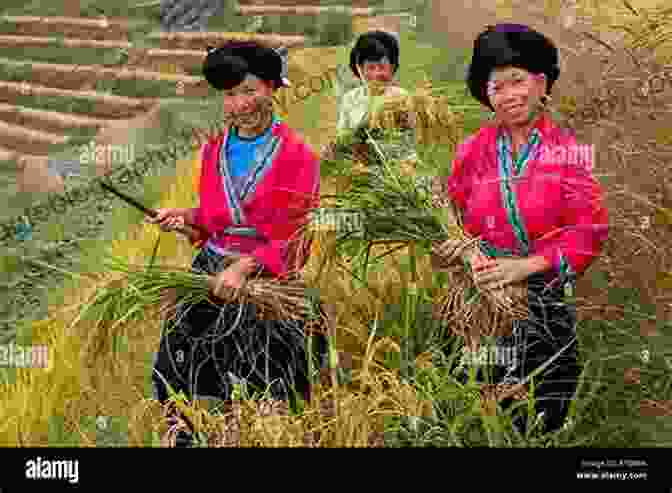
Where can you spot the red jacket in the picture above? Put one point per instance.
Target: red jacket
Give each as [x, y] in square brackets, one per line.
[283, 188]
[555, 203]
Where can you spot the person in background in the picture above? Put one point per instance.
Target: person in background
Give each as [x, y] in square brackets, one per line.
[375, 60]
[259, 181]
[524, 186]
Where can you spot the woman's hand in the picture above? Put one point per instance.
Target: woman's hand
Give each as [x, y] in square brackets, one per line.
[233, 277]
[442, 254]
[497, 273]
[479, 261]
[171, 219]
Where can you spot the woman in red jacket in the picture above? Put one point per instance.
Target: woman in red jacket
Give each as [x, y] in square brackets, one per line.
[524, 186]
[259, 182]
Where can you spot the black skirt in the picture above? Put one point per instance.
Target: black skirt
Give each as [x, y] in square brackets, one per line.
[206, 348]
[550, 328]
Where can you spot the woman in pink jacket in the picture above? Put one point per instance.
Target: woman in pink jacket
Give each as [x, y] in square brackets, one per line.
[524, 186]
[259, 182]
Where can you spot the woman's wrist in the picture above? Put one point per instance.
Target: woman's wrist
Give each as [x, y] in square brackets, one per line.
[537, 264]
[468, 255]
[189, 215]
[247, 264]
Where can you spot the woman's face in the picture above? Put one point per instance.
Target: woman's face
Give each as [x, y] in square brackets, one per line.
[380, 71]
[249, 104]
[515, 93]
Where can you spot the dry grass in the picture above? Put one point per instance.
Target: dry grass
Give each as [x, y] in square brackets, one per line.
[616, 92]
[87, 378]
[632, 137]
[436, 123]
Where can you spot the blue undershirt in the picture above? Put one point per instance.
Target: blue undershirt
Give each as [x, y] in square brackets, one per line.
[240, 153]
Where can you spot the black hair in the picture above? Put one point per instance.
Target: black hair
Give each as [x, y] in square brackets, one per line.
[226, 67]
[372, 46]
[511, 45]
[372, 50]
[226, 72]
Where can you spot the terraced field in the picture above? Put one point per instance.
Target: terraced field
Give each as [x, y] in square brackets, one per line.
[113, 79]
[71, 84]
[123, 69]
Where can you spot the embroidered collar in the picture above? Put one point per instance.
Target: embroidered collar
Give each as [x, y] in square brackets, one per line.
[515, 168]
[263, 162]
[274, 122]
[539, 133]
[508, 170]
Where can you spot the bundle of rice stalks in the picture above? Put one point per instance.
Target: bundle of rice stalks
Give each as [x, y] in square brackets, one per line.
[461, 307]
[473, 313]
[424, 111]
[344, 158]
[399, 121]
[140, 289]
[394, 208]
[347, 154]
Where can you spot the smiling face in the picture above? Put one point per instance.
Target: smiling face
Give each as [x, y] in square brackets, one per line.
[379, 71]
[249, 105]
[515, 94]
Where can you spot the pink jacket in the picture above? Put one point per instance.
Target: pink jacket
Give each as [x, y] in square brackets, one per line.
[555, 199]
[283, 187]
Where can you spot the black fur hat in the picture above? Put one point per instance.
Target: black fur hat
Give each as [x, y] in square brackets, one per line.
[226, 67]
[372, 46]
[510, 44]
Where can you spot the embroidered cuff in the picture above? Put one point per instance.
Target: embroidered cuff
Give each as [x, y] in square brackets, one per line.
[199, 240]
[198, 243]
